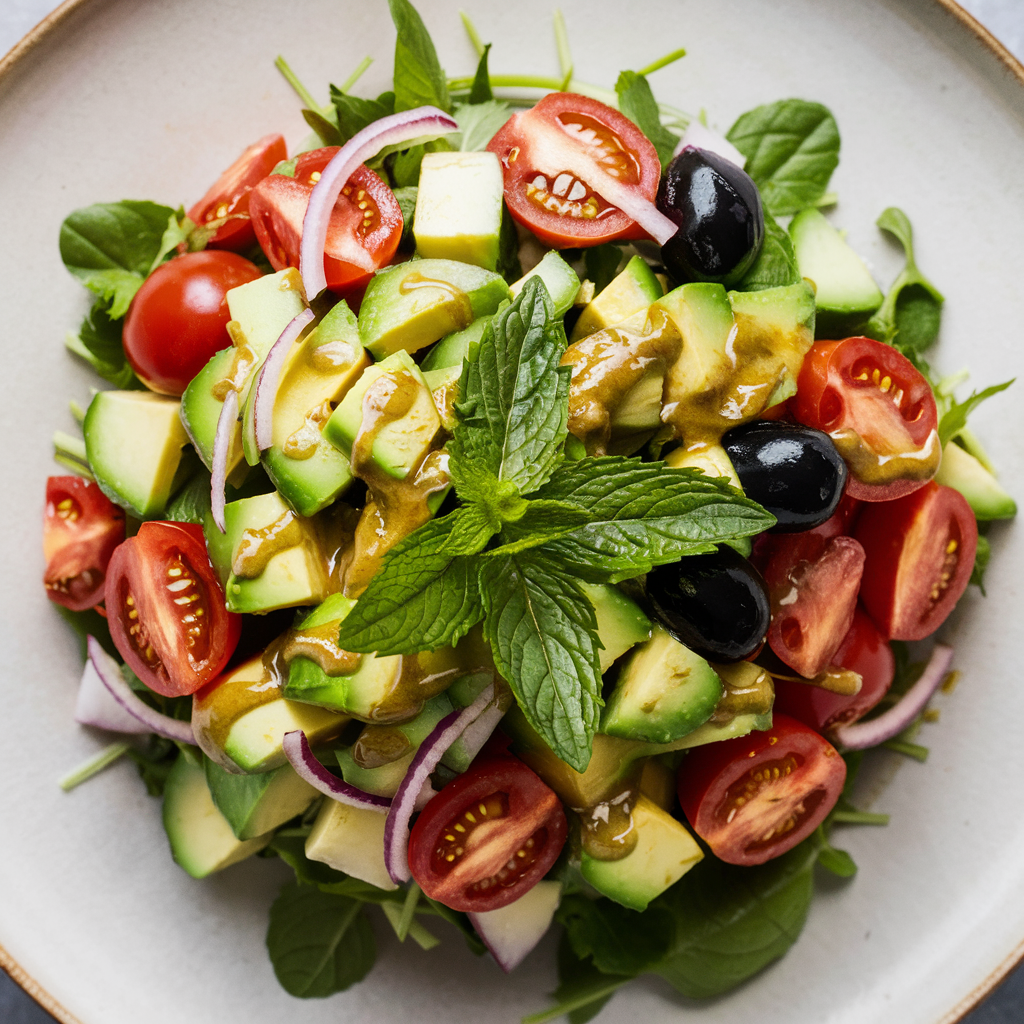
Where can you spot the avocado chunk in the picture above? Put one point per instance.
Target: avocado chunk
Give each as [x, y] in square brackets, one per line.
[964, 473]
[458, 208]
[412, 305]
[201, 406]
[351, 839]
[620, 622]
[444, 390]
[451, 350]
[201, 838]
[256, 804]
[631, 291]
[559, 278]
[711, 459]
[134, 441]
[733, 728]
[664, 691]
[664, 852]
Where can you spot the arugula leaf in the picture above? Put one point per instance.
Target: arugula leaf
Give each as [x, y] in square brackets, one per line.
[478, 123]
[353, 114]
[602, 263]
[954, 419]
[318, 943]
[619, 941]
[776, 265]
[792, 148]
[981, 560]
[637, 102]
[111, 247]
[541, 629]
[480, 92]
[98, 342]
[419, 79]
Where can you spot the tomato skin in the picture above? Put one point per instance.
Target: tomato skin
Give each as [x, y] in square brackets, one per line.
[885, 431]
[81, 529]
[358, 242]
[732, 811]
[181, 635]
[533, 823]
[178, 318]
[229, 195]
[912, 580]
[625, 147]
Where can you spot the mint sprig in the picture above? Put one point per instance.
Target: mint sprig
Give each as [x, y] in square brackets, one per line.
[531, 527]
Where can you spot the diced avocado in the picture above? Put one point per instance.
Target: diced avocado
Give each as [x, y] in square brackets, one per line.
[263, 308]
[351, 839]
[256, 804]
[201, 405]
[559, 278]
[713, 732]
[406, 418]
[451, 351]
[748, 690]
[703, 315]
[620, 622]
[658, 783]
[964, 473]
[201, 837]
[664, 852]
[711, 459]
[133, 441]
[846, 293]
[458, 208]
[664, 691]
[631, 291]
[784, 312]
[411, 305]
[444, 389]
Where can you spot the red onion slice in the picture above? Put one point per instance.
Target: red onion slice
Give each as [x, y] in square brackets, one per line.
[296, 749]
[388, 131]
[96, 707]
[511, 932]
[269, 378]
[860, 735]
[700, 136]
[110, 676]
[396, 829]
[221, 444]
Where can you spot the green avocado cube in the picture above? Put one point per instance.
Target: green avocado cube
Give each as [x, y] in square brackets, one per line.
[351, 839]
[631, 291]
[964, 473]
[560, 280]
[256, 804]
[453, 349]
[620, 622]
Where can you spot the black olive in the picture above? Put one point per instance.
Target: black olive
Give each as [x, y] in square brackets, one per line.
[721, 221]
[717, 605]
[793, 471]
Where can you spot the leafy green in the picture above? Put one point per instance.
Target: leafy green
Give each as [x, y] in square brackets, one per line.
[776, 265]
[981, 560]
[324, 127]
[192, 503]
[792, 148]
[354, 114]
[618, 940]
[602, 263]
[98, 342]
[478, 123]
[481, 92]
[839, 862]
[508, 248]
[637, 102]
[419, 78]
[954, 419]
[85, 624]
[582, 991]
[407, 204]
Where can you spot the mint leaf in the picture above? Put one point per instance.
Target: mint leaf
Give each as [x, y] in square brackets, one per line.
[637, 102]
[481, 89]
[472, 527]
[541, 629]
[419, 79]
[775, 266]
[353, 114]
[422, 597]
[478, 123]
[792, 148]
[541, 521]
[954, 419]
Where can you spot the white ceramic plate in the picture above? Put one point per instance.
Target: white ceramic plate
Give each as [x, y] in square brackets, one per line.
[151, 100]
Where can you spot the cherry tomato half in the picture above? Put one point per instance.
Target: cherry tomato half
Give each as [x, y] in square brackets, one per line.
[544, 192]
[228, 197]
[177, 319]
[920, 555]
[81, 529]
[165, 607]
[365, 228]
[755, 797]
[878, 410]
[487, 837]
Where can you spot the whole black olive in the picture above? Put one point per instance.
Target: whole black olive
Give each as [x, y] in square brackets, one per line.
[718, 209]
[793, 471]
[717, 605]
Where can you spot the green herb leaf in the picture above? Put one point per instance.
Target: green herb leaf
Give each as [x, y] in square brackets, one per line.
[478, 123]
[407, 204]
[319, 943]
[419, 79]
[85, 624]
[792, 148]
[955, 418]
[325, 129]
[98, 342]
[776, 265]
[192, 503]
[981, 560]
[838, 862]
[541, 629]
[179, 229]
[541, 522]
[481, 89]
[583, 990]
[602, 263]
[354, 114]
[637, 102]
[508, 248]
[619, 941]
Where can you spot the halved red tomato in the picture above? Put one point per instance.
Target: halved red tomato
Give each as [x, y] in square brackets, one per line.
[228, 197]
[81, 529]
[547, 154]
[365, 226]
[878, 410]
[920, 554]
[165, 607]
[755, 797]
[487, 837]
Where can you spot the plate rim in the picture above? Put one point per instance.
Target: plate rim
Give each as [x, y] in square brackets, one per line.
[14, 59]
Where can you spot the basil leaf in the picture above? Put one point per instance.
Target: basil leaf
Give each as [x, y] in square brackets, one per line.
[111, 247]
[620, 941]
[792, 148]
[419, 79]
[954, 419]
[354, 114]
[192, 503]
[319, 943]
[478, 123]
[637, 102]
[481, 89]
[541, 630]
[776, 265]
[98, 342]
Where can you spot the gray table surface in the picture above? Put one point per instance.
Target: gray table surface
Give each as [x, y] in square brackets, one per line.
[1005, 19]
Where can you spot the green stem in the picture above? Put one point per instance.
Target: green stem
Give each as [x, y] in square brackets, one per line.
[860, 817]
[562, 46]
[77, 411]
[412, 897]
[357, 74]
[663, 62]
[474, 36]
[86, 770]
[574, 1004]
[914, 750]
[423, 938]
[300, 90]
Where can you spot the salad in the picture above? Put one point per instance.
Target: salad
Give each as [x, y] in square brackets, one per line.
[499, 516]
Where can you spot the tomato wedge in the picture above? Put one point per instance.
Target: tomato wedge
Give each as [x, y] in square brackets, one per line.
[920, 554]
[878, 410]
[487, 837]
[364, 231]
[546, 186]
[228, 197]
[81, 529]
[754, 798]
[166, 609]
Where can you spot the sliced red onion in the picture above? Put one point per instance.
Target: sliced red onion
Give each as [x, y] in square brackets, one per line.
[511, 932]
[479, 732]
[269, 378]
[96, 707]
[700, 136]
[388, 131]
[296, 749]
[860, 735]
[396, 829]
[221, 444]
[109, 673]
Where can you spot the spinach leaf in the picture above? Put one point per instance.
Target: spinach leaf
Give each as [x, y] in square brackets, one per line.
[98, 342]
[325, 129]
[954, 419]
[354, 114]
[480, 92]
[619, 941]
[478, 123]
[775, 266]
[637, 102]
[419, 79]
